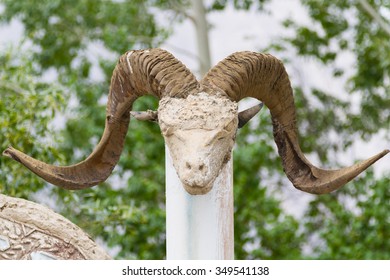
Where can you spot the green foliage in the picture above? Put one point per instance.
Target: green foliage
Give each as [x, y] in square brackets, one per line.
[336, 231]
[132, 220]
[218, 5]
[360, 215]
[63, 29]
[262, 229]
[336, 28]
[128, 211]
[27, 106]
[334, 33]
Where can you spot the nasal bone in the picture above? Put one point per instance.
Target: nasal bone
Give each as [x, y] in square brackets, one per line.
[195, 165]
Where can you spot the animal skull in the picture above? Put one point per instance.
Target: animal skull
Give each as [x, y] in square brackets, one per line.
[198, 120]
[199, 131]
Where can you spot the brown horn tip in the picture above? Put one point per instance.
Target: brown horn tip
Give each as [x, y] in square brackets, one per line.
[321, 181]
[11, 153]
[67, 177]
[148, 115]
[90, 172]
[245, 116]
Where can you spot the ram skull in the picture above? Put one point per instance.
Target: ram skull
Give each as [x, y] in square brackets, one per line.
[198, 120]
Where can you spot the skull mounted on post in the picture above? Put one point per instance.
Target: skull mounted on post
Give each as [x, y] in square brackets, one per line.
[198, 120]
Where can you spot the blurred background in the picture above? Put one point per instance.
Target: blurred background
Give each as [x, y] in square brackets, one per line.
[56, 60]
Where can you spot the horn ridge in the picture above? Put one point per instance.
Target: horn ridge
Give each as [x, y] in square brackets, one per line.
[137, 73]
[262, 76]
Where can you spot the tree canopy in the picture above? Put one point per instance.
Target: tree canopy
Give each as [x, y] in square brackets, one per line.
[127, 211]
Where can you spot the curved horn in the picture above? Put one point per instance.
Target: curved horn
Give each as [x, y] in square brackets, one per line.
[262, 76]
[137, 73]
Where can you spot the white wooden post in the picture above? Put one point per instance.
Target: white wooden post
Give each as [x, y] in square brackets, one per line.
[199, 226]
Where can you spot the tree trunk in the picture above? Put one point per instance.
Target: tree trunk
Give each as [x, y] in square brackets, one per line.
[202, 38]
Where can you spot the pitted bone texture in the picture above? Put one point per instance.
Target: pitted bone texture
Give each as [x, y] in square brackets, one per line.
[199, 131]
[197, 111]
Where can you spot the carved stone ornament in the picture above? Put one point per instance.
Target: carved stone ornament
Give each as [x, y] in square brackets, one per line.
[199, 144]
[31, 231]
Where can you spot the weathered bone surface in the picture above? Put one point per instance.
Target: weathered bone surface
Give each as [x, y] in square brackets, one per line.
[199, 131]
[32, 231]
[157, 72]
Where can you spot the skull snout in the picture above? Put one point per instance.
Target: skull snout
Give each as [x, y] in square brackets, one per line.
[196, 166]
[195, 174]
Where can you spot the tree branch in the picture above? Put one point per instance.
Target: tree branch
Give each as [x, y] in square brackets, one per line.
[375, 16]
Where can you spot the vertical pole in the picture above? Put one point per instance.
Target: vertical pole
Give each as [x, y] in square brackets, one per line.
[199, 226]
